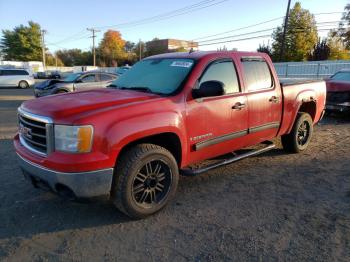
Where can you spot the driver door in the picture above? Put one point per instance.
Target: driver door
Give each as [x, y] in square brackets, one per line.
[217, 124]
[86, 82]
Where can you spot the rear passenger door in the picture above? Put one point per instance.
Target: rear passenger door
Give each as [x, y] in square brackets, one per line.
[86, 82]
[106, 79]
[264, 98]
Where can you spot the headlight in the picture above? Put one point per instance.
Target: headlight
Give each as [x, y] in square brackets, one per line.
[76, 139]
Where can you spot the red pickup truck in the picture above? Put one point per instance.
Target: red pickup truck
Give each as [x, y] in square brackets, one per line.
[132, 140]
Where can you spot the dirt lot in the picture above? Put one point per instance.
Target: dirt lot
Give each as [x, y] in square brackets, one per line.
[272, 207]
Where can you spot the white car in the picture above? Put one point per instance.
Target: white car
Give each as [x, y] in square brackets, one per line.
[16, 77]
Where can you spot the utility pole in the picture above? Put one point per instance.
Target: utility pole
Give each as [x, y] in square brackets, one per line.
[140, 50]
[94, 31]
[285, 31]
[43, 32]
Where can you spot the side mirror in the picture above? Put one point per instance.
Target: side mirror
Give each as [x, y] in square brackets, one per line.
[209, 88]
[78, 81]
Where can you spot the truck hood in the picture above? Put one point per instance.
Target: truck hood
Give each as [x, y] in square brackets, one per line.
[338, 86]
[64, 105]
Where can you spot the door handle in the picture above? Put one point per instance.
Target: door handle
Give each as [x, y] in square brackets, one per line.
[274, 99]
[238, 106]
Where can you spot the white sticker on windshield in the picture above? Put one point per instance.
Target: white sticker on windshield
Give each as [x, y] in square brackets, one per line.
[181, 64]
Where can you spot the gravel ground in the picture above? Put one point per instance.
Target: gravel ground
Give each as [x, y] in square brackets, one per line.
[272, 207]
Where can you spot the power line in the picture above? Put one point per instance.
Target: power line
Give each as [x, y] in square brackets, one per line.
[254, 37]
[254, 25]
[168, 15]
[322, 24]
[241, 28]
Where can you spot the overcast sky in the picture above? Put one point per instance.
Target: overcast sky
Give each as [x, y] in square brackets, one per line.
[66, 20]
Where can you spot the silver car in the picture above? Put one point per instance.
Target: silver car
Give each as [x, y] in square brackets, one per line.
[74, 82]
[16, 78]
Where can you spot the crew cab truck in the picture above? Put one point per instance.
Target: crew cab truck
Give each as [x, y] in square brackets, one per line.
[132, 140]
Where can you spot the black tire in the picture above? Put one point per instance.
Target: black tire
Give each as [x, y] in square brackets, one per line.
[23, 84]
[61, 92]
[145, 180]
[299, 138]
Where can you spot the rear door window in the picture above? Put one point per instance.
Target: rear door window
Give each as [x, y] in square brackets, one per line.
[257, 74]
[106, 77]
[225, 72]
[88, 79]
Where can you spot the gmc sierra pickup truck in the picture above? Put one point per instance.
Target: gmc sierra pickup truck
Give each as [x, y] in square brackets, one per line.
[168, 112]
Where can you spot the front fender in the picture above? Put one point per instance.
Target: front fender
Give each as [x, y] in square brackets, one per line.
[126, 131]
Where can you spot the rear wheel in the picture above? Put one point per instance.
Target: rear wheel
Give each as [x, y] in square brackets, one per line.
[299, 138]
[61, 92]
[146, 179]
[23, 84]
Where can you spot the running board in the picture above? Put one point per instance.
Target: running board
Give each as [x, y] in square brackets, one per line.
[195, 172]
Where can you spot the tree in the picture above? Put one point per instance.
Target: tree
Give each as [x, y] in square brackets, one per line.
[337, 48]
[264, 49]
[321, 51]
[23, 43]
[301, 36]
[343, 31]
[112, 48]
[74, 57]
[51, 60]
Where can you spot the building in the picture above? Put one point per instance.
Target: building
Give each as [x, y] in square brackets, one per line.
[170, 45]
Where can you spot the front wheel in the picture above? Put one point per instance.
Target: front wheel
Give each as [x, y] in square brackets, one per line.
[146, 179]
[299, 138]
[23, 84]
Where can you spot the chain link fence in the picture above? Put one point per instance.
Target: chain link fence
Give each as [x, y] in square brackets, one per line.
[310, 70]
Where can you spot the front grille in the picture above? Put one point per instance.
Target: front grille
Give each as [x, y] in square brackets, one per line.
[338, 97]
[34, 132]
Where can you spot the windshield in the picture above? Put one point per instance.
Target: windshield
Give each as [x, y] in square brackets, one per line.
[71, 77]
[158, 75]
[341, 76]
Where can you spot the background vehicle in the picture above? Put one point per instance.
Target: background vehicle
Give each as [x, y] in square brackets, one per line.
[74, 82]
[121, 70]
[338, 92]
[168, 112]
[48, 75]
[16, 77]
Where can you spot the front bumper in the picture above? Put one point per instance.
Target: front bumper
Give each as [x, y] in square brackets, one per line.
[42, 92]
[340, 107]
[82, 184]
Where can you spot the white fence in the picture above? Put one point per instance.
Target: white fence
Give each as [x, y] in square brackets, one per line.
[310, 70]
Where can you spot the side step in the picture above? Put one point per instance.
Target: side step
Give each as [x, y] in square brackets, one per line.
[195, 172]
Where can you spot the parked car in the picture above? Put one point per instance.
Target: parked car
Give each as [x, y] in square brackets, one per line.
[74, 82]
[16, 77]
[170, 111]
[338, 92]
[53, 75]
[40, 75]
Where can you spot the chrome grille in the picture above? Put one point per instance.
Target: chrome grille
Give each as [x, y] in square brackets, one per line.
[35, 132]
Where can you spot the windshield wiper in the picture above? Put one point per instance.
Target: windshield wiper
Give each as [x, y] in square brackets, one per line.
[137, 88]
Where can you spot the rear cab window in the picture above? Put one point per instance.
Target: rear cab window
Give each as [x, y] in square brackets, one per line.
[224, 71]
[257, 74]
